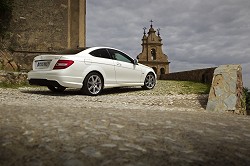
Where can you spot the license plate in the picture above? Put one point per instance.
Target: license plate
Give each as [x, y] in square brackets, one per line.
[42, 64]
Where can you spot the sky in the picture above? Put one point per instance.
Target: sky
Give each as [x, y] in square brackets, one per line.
[196, 33]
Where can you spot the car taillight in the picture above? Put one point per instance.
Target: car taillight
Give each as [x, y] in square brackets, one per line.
[63, 64]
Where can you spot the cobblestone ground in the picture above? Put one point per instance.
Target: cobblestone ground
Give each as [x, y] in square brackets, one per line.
[132, 127]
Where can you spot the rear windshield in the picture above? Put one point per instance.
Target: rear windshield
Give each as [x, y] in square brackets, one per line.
[71, 51]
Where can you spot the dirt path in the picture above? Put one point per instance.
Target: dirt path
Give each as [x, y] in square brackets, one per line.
[126, 128]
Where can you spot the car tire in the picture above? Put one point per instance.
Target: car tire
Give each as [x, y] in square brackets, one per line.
[56, 88]
[93, 84]
[149, 82]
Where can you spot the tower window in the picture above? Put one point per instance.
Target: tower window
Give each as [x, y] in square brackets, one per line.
[153, 54]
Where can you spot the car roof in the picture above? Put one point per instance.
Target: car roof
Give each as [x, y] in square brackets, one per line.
[99, 47]
[84, 49]
[89, 49]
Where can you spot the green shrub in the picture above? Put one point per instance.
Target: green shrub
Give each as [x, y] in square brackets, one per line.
[13, 85]
[247, 97]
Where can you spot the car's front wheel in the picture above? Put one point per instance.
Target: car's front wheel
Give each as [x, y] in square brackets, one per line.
[149, 82]
[93, 84]
[56, 88]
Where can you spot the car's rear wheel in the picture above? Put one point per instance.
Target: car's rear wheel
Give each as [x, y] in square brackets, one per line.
[93, 84]
[56, 88]
[149, 82]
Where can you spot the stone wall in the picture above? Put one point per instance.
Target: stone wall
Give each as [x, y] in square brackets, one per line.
[16, 61]
[199, 75]
[41, 27]
[38, 25]
[226, 93]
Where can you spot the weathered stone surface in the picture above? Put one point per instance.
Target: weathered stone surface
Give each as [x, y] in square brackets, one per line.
[7, 61]
[226, 90]
[41, 27]
[16, 62]
[24, 60]
[38, 25]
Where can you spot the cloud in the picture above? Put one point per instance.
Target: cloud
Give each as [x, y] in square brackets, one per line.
[182, 66]
[194, 32]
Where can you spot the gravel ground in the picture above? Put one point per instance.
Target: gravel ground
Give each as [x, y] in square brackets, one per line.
[121, 127]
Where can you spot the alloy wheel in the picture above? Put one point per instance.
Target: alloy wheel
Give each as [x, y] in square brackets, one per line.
[94, 84]
[149, 81]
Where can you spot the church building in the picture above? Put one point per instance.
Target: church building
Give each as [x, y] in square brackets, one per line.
[152, 54]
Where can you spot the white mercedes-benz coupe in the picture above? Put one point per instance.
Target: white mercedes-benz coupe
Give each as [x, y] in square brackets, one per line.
[91, 69]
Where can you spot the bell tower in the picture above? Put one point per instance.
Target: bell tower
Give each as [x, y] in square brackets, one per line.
[152, 54]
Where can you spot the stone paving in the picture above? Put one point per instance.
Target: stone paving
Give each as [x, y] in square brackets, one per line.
[129, 128]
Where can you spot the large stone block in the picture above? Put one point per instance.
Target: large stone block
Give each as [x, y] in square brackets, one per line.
[7, 62]
[226, 93]
[16, 62]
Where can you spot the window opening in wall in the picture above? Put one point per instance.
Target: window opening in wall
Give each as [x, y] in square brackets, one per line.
[162, 71]
[153, 54]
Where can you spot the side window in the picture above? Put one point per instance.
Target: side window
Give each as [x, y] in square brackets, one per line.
[101, 53]
[117, 55]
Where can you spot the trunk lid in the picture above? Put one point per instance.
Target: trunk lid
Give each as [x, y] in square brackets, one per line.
[45, 62]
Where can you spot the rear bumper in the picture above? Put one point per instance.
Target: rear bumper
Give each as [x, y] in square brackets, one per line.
[55, 78]
[43, 82]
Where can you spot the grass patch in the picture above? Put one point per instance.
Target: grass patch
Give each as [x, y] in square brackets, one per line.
[13, 85]
[167, 87]
[181, 87]
[163, 87]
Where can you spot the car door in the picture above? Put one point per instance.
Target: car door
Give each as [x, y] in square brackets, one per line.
[104, 62]
[125, 69]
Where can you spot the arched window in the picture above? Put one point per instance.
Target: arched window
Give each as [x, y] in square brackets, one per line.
[162, 71]
[153, 54]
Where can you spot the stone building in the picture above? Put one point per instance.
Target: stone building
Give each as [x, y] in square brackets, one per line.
[41, 27]
[152, 54]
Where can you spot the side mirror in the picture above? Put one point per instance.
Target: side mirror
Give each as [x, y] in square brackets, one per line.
[135, 62]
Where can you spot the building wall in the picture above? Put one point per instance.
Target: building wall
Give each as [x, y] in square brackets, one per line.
[42, 27]
[39, 25]
[157, 66]
[199, 75]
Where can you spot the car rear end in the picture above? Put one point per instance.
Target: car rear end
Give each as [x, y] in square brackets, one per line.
[56, 70]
